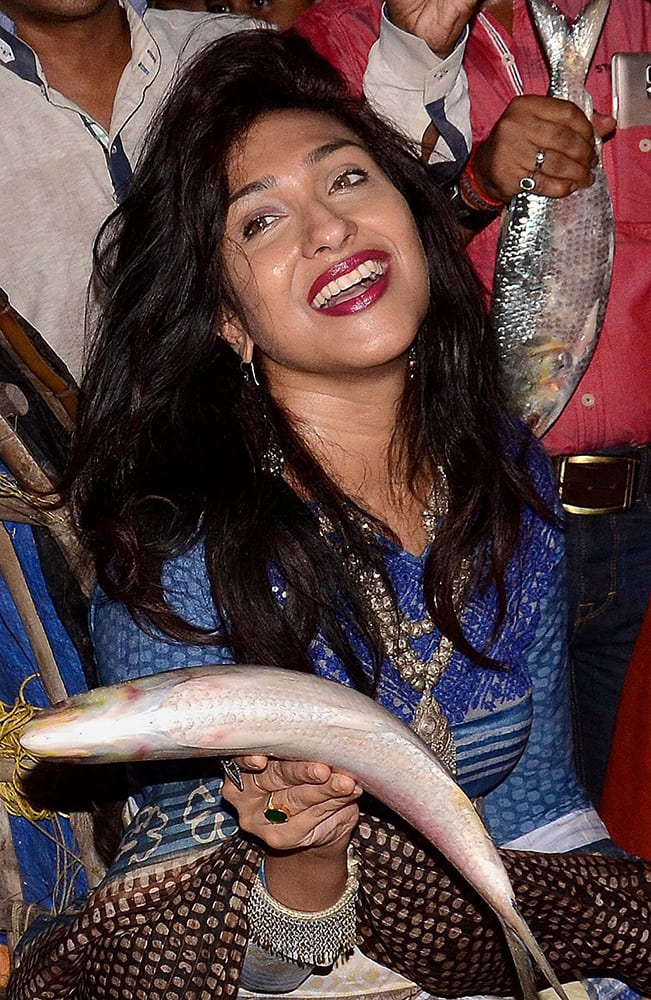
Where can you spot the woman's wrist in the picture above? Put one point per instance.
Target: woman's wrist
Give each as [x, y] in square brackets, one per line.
[309, 938]
[309, 880]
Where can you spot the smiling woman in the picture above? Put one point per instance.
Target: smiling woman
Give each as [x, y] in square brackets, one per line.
[293, 450]
[350, 250]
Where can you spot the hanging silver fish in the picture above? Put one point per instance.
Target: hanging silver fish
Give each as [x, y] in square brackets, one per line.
[555, 255]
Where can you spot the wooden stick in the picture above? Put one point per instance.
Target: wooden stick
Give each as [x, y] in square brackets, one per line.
[17, 336]
[34, 480]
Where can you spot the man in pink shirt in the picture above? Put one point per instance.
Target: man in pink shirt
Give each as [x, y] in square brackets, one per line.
[609, 415]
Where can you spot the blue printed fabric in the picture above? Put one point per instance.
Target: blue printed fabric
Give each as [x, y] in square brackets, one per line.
[50, 868]
[511, 725]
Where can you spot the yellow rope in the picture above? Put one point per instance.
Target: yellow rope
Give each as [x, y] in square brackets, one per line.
[10, 490]
[12, 722]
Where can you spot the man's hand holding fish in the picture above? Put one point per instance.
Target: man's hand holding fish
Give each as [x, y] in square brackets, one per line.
[532, 123]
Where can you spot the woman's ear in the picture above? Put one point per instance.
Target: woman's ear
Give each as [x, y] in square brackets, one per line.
[236, 336]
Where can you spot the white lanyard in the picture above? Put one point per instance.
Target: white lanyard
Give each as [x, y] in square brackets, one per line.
[505, 54]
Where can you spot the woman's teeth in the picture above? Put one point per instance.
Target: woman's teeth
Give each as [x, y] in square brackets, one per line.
[367, 272]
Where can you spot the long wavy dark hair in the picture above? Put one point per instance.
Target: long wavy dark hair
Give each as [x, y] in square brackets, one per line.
[170, 443]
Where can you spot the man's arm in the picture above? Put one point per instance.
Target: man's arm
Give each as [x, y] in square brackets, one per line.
[415, 77]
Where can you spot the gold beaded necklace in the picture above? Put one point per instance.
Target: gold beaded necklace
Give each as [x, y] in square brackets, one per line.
[399, 632]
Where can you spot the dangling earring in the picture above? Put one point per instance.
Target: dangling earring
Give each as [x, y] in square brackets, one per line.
[248, 371]
[412, 361]
[273, 460]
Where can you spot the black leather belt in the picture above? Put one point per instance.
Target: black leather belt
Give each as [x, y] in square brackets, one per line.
[600, 483]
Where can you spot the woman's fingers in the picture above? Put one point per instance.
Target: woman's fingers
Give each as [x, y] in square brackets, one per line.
[274, 774]
[318, 796]
[252, 762]
[318, 825]
[319, 803]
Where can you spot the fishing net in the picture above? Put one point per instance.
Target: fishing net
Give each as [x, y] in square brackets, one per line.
[178, 930]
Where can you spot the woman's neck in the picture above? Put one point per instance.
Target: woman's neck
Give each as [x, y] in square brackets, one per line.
[350, 427]
[347, 423]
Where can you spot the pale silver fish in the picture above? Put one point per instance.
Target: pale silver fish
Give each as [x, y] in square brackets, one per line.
[229, 710]
[555, 255]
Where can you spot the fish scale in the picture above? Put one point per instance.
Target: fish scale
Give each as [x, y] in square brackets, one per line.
[555, 255]
[228, 710]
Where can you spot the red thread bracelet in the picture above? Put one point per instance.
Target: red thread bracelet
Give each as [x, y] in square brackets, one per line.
[472, 186]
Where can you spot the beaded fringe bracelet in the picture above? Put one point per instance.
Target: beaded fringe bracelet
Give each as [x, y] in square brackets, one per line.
[309, 939]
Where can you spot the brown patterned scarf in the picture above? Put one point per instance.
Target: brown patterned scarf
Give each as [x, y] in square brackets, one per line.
[178, 930]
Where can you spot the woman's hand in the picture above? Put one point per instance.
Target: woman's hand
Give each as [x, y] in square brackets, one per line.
[440, 23]
[306, 857]
[320, 802]
[532, 123]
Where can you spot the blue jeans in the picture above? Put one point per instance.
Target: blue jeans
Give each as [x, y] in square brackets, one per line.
[609, 574]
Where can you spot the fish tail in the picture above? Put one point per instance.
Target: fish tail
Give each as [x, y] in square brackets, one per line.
[554, 32]
[524, 948]
[586, 29]
[569, 48]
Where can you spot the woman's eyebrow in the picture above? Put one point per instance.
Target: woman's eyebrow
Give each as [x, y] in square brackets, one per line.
[315, 156]
[328, 148]
[262, 184]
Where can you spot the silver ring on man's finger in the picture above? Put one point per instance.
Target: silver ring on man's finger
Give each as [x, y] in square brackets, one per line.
[528, 183]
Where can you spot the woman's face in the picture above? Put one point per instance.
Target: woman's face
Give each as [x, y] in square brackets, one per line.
[280, 12]
[322, 251]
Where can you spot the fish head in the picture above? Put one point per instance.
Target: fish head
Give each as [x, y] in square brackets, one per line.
[111, 723]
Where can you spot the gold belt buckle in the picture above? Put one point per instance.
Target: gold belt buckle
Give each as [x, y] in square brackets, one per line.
[630, 464]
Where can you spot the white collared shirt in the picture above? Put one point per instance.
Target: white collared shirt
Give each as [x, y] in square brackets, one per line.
[59, 169]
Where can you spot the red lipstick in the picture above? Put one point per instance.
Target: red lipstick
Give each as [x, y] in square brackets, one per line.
[345, 267]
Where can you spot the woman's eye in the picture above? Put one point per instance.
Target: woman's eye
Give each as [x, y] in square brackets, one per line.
[348, 179]
[258, 225]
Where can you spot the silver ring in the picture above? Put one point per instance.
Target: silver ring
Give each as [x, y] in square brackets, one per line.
[232, 771]
[528, 184]
[540, 159]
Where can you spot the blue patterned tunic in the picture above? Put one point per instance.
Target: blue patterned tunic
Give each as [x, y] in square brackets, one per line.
[511, 725]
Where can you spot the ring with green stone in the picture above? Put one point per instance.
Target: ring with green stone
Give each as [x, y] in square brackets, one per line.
[273, 813]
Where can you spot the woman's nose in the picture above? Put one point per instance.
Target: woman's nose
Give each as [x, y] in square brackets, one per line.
[325, 229]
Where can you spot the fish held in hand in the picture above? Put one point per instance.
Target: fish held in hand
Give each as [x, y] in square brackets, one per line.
[227, 710]
[555, 255]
